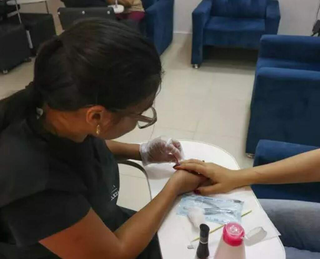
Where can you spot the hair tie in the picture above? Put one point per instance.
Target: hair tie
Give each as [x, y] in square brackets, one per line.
[58, 40]
[34, 93]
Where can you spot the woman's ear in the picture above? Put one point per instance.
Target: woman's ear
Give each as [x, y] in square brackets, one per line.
[98, 115]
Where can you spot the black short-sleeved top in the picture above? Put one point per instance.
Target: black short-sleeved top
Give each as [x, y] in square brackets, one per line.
[49, 183]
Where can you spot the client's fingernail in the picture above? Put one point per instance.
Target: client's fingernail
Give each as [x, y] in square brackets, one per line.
[196, 192]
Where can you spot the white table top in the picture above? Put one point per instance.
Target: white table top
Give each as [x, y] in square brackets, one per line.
[21, 2]
[172, 237]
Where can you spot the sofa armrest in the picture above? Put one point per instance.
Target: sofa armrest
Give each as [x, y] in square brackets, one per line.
[200, 17]
[272, 151]
[269, 151]
[273, 17]
[297, 48]
[159, 24]
[273, 79]
[286, 86]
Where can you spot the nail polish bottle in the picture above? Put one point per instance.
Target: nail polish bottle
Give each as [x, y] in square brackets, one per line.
[203, 248]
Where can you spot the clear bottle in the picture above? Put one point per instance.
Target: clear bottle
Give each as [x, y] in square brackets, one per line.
[231, 245]
[203, 249]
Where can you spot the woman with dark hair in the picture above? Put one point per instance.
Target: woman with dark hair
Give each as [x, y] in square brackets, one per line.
[59, 180]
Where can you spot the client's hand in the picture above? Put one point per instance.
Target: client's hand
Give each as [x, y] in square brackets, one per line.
[160, 150]
[222, 179]
[182, 181]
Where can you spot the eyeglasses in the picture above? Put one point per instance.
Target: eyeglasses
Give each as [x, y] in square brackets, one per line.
[145, 119]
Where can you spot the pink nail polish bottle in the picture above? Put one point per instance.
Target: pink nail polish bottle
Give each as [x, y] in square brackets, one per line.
[231, 245]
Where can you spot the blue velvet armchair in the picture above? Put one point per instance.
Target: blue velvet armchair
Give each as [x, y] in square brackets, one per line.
[159, 22]
[285, 102]
[232, 23]
[273, 151]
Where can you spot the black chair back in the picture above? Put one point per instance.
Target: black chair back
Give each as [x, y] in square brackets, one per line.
[6, 9]
[85, 3]
[68, 16]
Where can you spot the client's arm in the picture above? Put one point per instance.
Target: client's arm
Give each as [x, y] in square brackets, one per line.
[303, 168]
[91, 238]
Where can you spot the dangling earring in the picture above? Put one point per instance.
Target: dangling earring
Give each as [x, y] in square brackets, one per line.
[98, 130]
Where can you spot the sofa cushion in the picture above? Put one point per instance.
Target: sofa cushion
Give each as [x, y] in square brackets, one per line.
[235, 24]
[234, 32]
[239, 8]
[290, 64]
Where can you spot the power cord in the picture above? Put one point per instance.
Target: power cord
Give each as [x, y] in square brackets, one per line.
[316, 26]
[317, 15]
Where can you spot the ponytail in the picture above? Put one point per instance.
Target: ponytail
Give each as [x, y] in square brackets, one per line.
[18, 106]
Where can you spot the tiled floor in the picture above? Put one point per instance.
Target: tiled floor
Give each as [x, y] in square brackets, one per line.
[210, 104]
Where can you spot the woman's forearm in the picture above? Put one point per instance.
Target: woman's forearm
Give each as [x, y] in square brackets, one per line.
[302, 168]
[124, 150]
[144, 224]
[91, 238]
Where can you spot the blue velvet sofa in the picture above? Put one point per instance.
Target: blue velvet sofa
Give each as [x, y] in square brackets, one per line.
[272, 151]
[232, 23]
[285, 102]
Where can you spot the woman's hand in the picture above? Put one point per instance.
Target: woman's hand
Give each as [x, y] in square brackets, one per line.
[161, 151]
[182, 182]
[222, 179]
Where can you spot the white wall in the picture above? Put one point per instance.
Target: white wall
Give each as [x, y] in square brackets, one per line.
[40, 7]
[297, 16]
